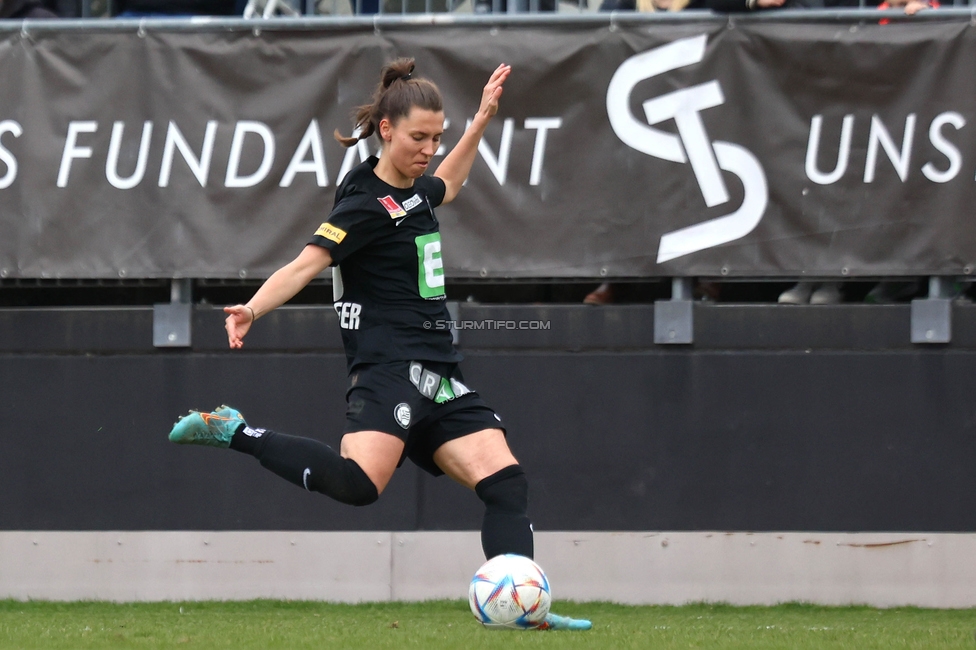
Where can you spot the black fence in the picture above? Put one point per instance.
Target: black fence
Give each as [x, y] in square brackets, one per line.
[662, 414]
[804, 418]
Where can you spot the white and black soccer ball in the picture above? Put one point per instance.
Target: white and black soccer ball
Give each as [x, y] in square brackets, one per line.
[510, 591]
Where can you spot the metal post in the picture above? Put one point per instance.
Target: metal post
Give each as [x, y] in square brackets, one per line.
[681, 289]
[181, 290]
[932, 316]
[673, 319]
[172, 320]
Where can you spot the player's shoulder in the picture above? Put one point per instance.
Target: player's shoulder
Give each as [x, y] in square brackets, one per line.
[360, 182]
[431, 185]
[358, 192]
[354, 202]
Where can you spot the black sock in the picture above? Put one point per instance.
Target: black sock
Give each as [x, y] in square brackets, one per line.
[307, 463]
[506, 527]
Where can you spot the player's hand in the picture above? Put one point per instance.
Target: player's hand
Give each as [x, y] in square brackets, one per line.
[493, 91]
[237, 324]
[914, 7]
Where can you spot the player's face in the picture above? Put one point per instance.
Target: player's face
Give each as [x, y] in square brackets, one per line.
[412, 141]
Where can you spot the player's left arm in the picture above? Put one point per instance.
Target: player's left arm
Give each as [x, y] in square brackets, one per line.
[276, 291]
[456, 166]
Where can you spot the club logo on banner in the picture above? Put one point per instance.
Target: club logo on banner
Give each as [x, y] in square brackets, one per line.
[692, 144]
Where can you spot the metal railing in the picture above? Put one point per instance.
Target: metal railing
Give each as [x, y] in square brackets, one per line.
[490, 11]
[462, 14]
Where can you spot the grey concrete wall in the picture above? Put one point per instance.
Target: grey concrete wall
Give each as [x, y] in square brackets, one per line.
[880, 569]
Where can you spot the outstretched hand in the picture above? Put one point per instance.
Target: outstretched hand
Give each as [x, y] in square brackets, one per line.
[456, 166]
[237, 324]
[493, 91]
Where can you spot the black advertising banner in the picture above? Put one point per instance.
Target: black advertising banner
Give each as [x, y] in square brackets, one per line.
[698, 147]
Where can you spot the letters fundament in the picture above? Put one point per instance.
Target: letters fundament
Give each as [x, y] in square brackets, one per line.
[309, 156]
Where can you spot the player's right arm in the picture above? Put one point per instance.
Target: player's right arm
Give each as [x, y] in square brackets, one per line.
[456, 166]
[276, 291]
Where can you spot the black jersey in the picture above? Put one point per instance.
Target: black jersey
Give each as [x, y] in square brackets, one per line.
[388, 280]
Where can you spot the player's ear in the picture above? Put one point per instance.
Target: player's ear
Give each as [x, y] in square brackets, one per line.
[386, 130]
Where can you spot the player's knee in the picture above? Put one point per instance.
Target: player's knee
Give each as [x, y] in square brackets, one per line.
[349, 484]
[507, 490]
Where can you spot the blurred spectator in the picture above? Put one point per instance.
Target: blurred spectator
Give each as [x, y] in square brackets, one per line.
[912, 7]
[487, 6]
[174, 8]
[607, 293]
[433, 6]
[729, 6]
[891, 291]
[643, 5]
[803, 293]
[365, 6]
[20, 9]
[603, 294]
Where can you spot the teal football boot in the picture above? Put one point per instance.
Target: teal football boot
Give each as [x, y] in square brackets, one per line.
[212, 429]
[555, 622]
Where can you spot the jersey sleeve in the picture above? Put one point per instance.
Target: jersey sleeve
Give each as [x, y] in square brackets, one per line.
[349, 228]
[434, 188]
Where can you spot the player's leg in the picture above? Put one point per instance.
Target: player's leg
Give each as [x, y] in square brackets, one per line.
[370, 451]
[482, 461]
[376, 452]
[356, 476]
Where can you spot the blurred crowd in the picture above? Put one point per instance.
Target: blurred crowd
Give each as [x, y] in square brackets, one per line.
[33, 9]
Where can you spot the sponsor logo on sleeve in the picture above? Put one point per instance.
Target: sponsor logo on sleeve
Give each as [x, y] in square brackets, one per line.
[394, 208]
[330, 232]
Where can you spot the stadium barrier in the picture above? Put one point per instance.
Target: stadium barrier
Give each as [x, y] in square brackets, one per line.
[822, 421]
[797, 425]
[776, 146]
[883, 570]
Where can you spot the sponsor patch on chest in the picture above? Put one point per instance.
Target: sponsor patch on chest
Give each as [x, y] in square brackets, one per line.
[412, 202]
[394, 208]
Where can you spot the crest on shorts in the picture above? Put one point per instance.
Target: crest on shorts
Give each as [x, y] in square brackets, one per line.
[402, 414]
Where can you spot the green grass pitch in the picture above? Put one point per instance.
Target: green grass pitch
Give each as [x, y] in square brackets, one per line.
[449, 624]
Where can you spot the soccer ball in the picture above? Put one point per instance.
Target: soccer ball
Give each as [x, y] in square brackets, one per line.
[509, 591]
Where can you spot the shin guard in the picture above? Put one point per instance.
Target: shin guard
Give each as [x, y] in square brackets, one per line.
[506, 527]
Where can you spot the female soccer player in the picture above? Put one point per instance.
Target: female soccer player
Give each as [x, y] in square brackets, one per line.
[407, 398]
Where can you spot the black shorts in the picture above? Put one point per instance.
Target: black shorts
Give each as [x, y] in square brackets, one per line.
[425, 404]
